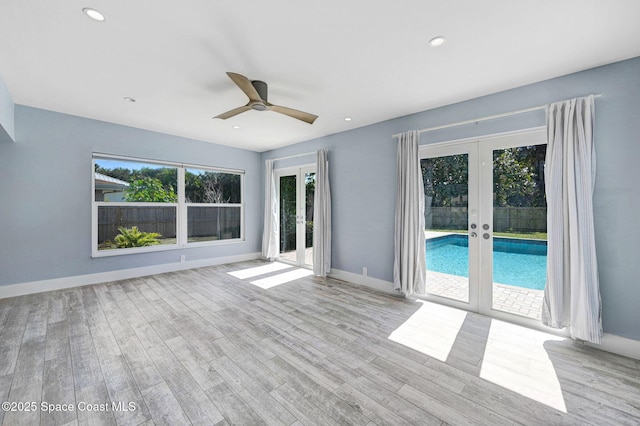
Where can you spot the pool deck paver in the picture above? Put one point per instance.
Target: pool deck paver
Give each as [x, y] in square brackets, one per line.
[507, 298]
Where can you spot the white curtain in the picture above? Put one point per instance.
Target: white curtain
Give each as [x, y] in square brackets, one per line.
[270, 231]
[572, 294]
[409, 268]
[322, 217]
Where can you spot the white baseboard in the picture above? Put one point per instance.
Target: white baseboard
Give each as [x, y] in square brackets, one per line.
[32, 287]
[618, 345]
[374, 283]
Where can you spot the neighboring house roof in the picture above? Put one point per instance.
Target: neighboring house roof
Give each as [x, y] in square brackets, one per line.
[104, 182]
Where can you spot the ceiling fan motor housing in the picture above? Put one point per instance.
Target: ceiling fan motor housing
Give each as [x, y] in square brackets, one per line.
[261, 88]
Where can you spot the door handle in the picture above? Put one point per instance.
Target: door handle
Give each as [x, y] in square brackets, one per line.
[473, 235]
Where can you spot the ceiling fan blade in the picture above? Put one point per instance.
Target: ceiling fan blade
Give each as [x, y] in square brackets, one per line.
[233, 112]
[245, 85]
[300, 115]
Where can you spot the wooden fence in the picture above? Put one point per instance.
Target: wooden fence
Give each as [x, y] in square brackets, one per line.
[505, 219]
[220, 222]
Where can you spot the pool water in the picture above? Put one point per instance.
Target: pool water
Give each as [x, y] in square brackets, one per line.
[517, 262]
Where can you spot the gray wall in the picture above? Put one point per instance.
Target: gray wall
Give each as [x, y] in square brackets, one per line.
[45, 193]
[6, 114]
[45, 180]
[362, 172]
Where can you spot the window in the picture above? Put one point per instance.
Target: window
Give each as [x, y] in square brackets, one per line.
[213, 205]
[142, 205]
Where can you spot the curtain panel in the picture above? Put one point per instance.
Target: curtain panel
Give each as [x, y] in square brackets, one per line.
[409, 267]
[572, 294]
[270, 229]
[322, 217]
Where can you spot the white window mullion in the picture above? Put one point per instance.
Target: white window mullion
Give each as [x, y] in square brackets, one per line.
[94, 228]
[242, 207]
[181, 226]
[94, 211]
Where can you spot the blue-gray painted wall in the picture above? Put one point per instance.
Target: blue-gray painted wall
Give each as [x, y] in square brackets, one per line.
[363, 168]
[45, 193]
[6, 114]
[45, 185]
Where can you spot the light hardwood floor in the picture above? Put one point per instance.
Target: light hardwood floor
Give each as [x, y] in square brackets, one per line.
[206, 347]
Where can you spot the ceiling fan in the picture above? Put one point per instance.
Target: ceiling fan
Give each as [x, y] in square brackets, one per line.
[256, 91]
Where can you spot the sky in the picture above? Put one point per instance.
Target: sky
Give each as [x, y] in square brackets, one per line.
[133, 165]
[114, 164]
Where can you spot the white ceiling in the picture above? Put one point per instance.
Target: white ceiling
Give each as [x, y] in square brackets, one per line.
[364, 59]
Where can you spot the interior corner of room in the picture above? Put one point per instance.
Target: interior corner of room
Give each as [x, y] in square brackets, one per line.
[7, 118]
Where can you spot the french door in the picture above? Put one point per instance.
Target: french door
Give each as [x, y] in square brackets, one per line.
[485, 224]
[296, 190]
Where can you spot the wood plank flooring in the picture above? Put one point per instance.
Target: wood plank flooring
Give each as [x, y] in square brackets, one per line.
[203, 347]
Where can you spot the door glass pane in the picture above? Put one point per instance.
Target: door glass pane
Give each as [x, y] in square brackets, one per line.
[288, 185]
[310, 191]
[446, 186]
[519, 230]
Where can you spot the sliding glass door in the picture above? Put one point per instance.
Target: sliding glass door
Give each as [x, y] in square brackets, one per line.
[485, 224]
[296, 191]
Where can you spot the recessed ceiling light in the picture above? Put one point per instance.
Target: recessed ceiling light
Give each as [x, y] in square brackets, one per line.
[236, 127]
[437, 41]
[347, 119]
[128, 99]
[93, 14]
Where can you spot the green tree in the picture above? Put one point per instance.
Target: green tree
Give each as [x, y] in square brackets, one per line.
[212, 187]
[517, 173]
[194, 191]
[517, 176]
[118, 172]
[445, 180]
[168, 176]
[150, 190]
[310, 191]
[288, 212]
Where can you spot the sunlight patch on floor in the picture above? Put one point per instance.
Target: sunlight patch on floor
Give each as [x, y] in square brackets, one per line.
[243, 274]
[283, 278]
[515, 358]
[432, 330]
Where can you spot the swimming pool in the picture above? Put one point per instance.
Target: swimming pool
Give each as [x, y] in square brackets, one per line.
[517, 262]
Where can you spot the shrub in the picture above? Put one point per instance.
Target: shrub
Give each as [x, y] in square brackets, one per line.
[133, 237]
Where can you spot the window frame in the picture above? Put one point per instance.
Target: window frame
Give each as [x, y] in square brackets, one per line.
[181, 207]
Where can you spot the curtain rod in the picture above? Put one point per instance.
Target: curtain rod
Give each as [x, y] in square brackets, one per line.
[293, 156]
[489, 117]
